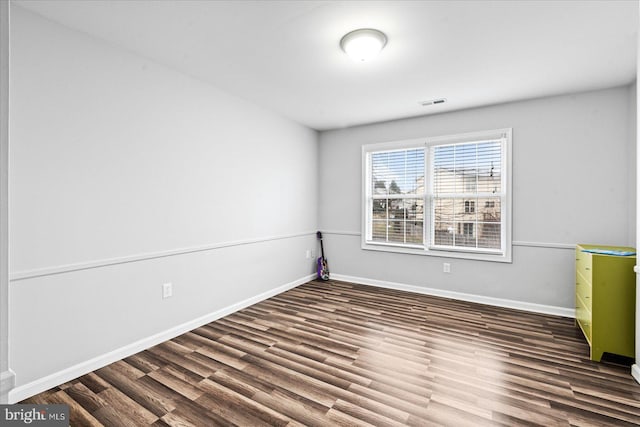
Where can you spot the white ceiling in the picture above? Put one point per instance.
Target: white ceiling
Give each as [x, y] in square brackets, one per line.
[285, 55]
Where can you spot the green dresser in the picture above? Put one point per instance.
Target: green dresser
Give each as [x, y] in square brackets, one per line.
[605, 300]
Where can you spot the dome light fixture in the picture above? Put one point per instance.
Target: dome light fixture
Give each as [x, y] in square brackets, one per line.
[363, 44]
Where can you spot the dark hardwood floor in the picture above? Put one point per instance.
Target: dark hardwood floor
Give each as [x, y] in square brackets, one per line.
[342, 354]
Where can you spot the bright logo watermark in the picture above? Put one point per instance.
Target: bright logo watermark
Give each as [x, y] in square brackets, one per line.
[34, 415]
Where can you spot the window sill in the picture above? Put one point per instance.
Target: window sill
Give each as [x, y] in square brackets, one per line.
[442, 253]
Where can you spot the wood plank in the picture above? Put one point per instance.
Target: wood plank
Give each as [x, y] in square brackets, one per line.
[237, 408]
[124, 404]
[86, 398]
[142, 394]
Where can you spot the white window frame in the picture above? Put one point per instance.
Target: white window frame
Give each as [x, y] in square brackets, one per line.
[503, 255]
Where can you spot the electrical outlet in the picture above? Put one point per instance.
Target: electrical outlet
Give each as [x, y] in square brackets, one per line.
[167, 290]
[446, 267]
[308, 253]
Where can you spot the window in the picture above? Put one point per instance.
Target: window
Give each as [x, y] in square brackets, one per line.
[397, 196]
[469, 206]
[447, 196]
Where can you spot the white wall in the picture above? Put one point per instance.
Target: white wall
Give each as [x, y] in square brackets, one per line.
[571, 185]
[125, 175]
[6, 375]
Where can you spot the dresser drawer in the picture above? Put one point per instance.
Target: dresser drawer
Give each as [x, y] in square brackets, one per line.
[583, 264]
[583, 290]
[583, 316]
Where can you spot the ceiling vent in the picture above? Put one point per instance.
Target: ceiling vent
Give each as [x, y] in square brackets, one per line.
[433, 102]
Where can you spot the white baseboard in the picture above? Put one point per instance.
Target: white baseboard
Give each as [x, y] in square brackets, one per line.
[27, 390]
[499, 302]
[635, 371]
[7, 382]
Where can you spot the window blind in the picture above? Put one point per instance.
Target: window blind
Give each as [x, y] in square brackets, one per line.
[467, 195]
[396, 202]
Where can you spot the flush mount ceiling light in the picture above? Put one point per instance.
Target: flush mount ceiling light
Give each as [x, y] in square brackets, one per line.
[363, 44]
